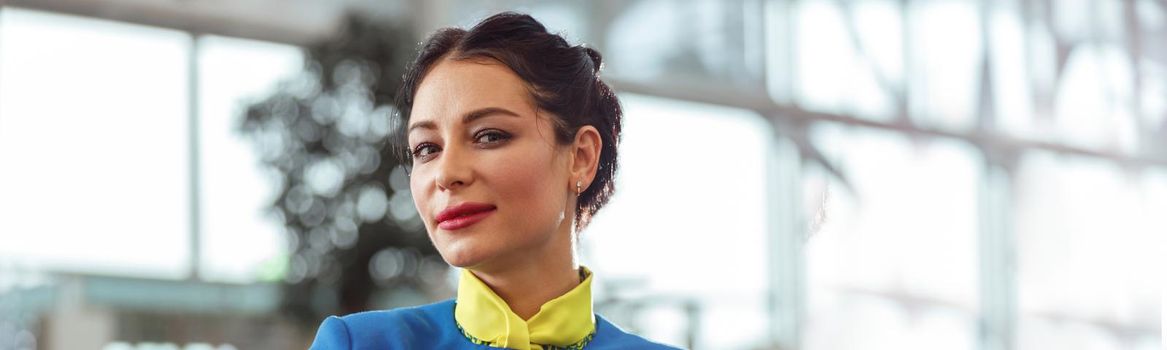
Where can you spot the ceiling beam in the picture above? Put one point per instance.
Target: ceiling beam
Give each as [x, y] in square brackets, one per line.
[780, 115]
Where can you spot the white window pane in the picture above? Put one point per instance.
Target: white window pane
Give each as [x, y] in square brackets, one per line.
[93, 143]
[1152, 16]
[1087, 20]
[832, 74]
[945, 48]
[910, 224]
[702, 42]
[1094, 106]
[1154, 94]
[1090, 245]
[1012, 91]
[1043, 333]
[880, 27]
[690, 205]
[857, 321]
[894, 264]
[238, 237]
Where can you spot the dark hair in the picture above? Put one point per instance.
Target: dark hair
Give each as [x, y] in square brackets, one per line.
[563, 79]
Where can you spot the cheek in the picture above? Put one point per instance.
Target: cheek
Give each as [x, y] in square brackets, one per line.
[420, 196]
[528, 182]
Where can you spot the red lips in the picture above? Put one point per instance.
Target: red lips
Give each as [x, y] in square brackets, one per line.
[462, 215]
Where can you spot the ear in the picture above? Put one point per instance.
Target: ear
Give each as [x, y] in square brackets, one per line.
[585, 156]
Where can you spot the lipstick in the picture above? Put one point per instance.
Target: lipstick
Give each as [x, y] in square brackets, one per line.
[463, 215]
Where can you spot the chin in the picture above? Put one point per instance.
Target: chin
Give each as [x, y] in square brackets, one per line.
[462, 254]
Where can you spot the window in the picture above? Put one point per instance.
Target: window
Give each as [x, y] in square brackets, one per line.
[832, 73]
[240, 242]
[93, 143]
[1090, 248]
[892, 265]
[690, 205]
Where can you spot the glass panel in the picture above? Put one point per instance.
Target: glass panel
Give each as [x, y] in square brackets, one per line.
[895, 258]
[1091, 253]
[1154, 104]
[945, 55]
[93, 143]
[1089, 20]
[702, 42]
[906, 223]
[559, 16]
[1073, 80]
[844, 320]
[1046, 333]
[840, 71]
[1094, 99]
[238, 239]
[690, 205]
[1012, 91]
[1153, 19]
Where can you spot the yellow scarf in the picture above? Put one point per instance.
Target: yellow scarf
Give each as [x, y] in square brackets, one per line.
[561, 322]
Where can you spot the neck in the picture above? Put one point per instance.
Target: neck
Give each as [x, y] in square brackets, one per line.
[536, 277]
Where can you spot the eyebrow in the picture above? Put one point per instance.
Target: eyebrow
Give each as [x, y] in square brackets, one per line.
[466, 118]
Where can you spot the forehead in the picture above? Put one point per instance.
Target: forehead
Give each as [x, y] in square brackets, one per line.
[453, 87]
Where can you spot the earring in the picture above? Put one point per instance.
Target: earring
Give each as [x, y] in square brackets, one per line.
[578, 186]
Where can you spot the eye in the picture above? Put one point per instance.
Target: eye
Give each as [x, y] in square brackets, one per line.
[491, 136]
[424, 151]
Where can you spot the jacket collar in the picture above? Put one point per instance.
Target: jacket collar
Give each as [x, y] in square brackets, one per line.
[561, 322]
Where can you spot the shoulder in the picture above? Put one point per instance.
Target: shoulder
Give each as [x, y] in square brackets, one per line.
[403, 328]
[416, 316]
[611, 336]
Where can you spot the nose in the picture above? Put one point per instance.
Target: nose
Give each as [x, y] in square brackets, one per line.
[453, 169]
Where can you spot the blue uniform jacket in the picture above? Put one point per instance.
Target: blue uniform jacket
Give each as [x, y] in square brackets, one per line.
[432, 327]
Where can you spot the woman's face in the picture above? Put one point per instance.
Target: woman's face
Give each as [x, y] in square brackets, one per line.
[477, 137]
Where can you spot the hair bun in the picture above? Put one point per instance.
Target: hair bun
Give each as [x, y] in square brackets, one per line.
[597, 59]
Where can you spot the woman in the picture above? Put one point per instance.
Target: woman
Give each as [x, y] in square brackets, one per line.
[511, 137]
